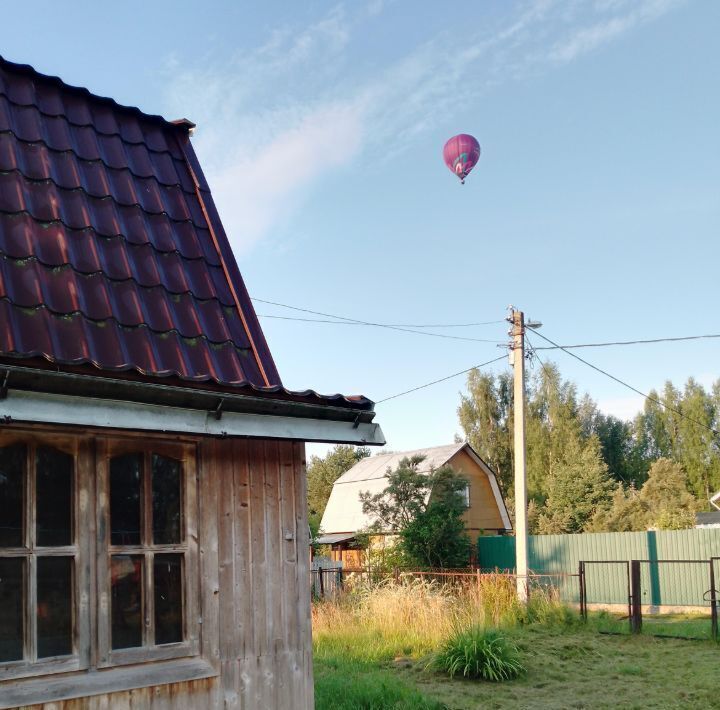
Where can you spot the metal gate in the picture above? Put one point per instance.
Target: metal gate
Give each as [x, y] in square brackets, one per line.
[640, 583]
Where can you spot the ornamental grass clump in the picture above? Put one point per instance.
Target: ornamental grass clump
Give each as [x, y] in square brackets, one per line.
[477, 652]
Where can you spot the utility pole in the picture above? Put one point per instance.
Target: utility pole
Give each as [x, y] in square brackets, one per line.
[517, 360]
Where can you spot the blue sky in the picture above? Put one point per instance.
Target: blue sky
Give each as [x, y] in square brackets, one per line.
[595, 206]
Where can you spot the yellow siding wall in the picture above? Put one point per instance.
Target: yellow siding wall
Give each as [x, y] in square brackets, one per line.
[483, 513]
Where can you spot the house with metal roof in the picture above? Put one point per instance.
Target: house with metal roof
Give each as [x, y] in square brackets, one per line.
[153, 526]
[344, 517]
[708, 520]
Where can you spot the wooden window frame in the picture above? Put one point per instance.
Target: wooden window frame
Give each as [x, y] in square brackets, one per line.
[91, 552]
[79, 551]
[107, 449]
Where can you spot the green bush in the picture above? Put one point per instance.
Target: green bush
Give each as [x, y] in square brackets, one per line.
[476, 652]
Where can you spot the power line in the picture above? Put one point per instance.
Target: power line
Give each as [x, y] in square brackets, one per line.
[557, 388]
[630, 342]
[625, 384]
[383, 325]
[376, 325]
[442, 379]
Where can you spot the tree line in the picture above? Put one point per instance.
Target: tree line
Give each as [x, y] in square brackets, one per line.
[590, 471]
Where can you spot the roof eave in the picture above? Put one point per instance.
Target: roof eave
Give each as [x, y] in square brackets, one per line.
[38, 380]
[34, 408]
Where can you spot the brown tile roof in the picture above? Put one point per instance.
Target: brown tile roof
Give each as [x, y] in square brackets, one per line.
[112, 255]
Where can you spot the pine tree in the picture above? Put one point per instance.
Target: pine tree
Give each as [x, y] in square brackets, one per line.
[579, 488]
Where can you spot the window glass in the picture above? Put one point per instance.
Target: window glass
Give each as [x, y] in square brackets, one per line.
[54, 606]
[125, 495]
[126, 578]
[53, 494]
[12, 467]
[167, 572]
[12, 572]
[166, 500]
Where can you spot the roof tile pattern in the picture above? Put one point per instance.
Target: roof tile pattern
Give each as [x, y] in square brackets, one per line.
[112, 254]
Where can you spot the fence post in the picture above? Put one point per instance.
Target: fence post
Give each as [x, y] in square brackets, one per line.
[713, 601]
[478, 578]
[581, 583]
[636, 595]
[322, 584]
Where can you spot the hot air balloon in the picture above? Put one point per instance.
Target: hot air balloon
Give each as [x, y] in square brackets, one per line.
[461, 154]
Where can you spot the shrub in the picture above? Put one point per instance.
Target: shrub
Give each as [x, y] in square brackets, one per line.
[476, 652]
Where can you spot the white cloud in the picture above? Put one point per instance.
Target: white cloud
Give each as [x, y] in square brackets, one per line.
[588, 38]
[275, 119]
[262, 186]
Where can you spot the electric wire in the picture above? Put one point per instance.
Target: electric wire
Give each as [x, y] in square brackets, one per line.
[547, 370]
[631, 342]
[628, 386]
[442, 379]
[382, 325]
[376, 325]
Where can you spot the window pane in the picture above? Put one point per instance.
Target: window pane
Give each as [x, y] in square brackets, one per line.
[54, 606]
[12, 466]
[166, 500]
[167, 571]
[53, 492]
[125, 489]
[126, 576]
[11, 608]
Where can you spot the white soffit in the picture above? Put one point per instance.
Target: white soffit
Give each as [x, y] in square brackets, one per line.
[118, 414]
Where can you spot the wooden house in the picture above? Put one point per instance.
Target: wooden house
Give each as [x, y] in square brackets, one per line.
[344, 518]
[153, 526]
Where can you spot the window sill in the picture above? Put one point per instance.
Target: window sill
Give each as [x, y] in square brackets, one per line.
[97, 682]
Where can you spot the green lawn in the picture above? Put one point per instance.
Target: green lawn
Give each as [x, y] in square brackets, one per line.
[574, 667]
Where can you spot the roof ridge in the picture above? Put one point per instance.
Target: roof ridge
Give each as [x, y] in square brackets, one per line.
[84, 91]
[153, 176]
[114, 319]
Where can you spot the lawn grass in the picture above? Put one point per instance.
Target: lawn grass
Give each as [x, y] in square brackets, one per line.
[566, 668]
[373, 651]
[581, 668]
[692, 626]
[342, 684]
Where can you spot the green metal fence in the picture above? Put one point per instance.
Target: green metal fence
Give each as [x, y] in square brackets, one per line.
[666, 585]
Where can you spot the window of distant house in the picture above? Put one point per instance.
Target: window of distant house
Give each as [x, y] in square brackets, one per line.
[465, 493]
[74, 526]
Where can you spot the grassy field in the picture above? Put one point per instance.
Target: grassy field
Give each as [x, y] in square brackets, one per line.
[373, 648]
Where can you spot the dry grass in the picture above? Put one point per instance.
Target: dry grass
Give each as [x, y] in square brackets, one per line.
[413, 617]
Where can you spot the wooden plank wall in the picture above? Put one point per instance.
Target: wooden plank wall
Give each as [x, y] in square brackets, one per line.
[189, 695]
[255, 572]
[254, 587]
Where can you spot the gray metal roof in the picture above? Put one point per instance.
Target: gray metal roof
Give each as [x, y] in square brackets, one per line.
[334, 539]
[344, 510]
[711, 519]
